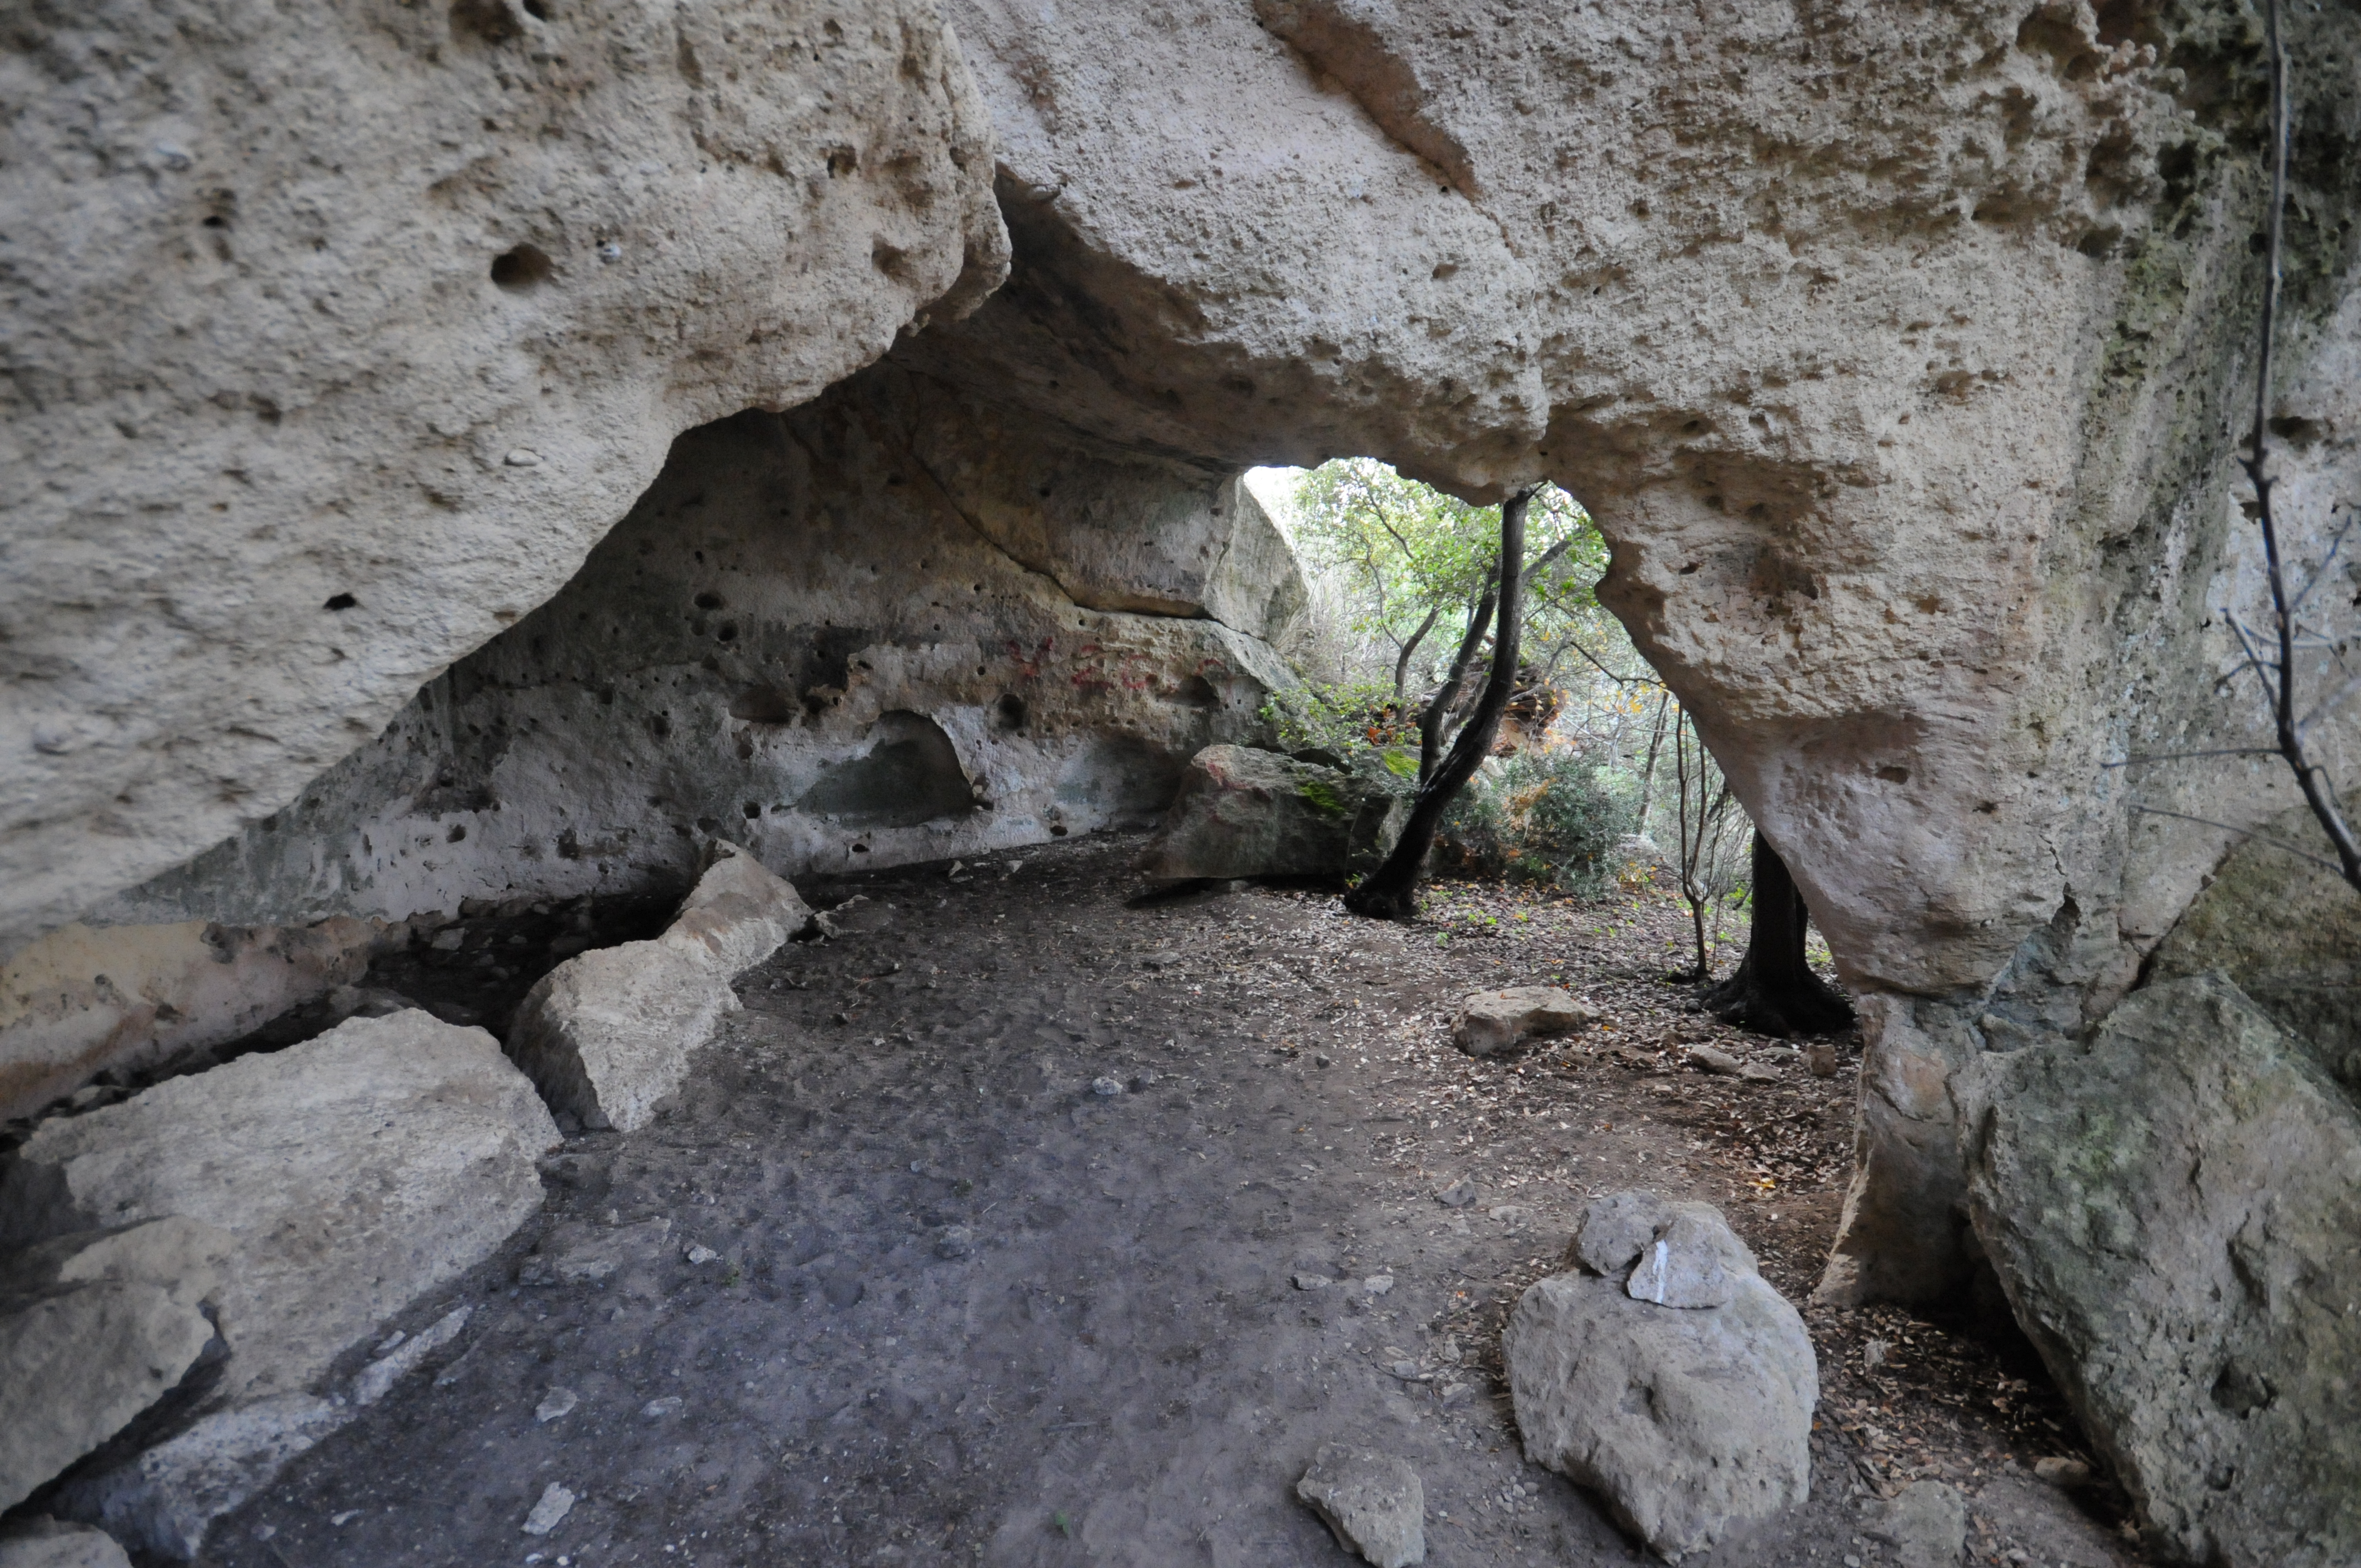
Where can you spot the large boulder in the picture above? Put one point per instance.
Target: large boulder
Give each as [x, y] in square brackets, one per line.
[2175, 1213]
[94, 1329]
[354, 1172]
[608, 1034]
[1687, 1422]
[1244, 812]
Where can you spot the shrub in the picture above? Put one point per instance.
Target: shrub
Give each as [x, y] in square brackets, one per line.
[1542, 817]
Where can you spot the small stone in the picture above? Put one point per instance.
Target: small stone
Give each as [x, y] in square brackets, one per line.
[1377, 1284]
[2059, 1471]
[1613, 1230]
[1166, 958]
[378, 1378]
[1106, 1086]
[1492, 1021]
[1713, 1060]
[1322, 1059]
[342, 1519]
[1312, 1282]
[1459, 1195]
[1820, 1058]
[1408, 1370]
[554, 1404]
[1926, 1525]
[956, 1242]
[700, 1252]
[1373, 1503]
[555, 1503]
[1873, 1354]
[518, 457]
[657, 1409]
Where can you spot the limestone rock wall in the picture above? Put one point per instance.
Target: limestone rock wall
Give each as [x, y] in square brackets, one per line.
[834, 636]
[335, 342]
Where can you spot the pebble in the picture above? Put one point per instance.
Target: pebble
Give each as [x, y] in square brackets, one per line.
[2059, 1471]
[1458, 1195]
[555, 1503]
[1377, 1284]
[1312, 1282]
[1165, 960]
[342, 1519]
[554, 1404]
[956, 1242]
[1106, 1086]
[667, 1406]
[700, 1253]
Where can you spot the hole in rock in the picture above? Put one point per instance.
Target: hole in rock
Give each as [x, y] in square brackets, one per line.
[910, 775]
[340, 602]
[525, 267]
[1009, 713]
[765, 705]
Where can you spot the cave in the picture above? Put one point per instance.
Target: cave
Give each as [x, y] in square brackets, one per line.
[842, 481]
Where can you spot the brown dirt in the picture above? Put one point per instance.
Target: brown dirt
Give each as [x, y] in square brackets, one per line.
[964, 1309]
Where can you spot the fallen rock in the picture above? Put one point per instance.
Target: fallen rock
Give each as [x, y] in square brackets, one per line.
[2059, 1471]
[1374, 1503]
[556, 1403]
[164, 1501]
[1926, 1523]
[1493, 1020]
[2175, 1214]
[608, 1034]
[354, 1173]
[1247, 813]
[44, 1543]
[555, 1503]
[1614, 1230]
[79, 1364]
[1686, 1422]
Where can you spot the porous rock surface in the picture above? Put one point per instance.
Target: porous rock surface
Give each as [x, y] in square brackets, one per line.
[354, 1172]
[1491, 1021]
[400, 313]
[2175, 1211]
[1242, 812]
[608, 1034]
[1687, 1421]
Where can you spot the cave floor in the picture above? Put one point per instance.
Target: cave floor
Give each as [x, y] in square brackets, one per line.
[964, 1307]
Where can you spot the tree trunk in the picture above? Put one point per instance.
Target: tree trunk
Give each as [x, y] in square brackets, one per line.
[1390, 893]
[1775, 991]
[1446, 696]
[1401, 665]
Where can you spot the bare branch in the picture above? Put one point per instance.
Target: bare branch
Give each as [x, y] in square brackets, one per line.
[2329, 866]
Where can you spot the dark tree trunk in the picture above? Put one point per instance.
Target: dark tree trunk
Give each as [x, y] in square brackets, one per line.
[1390, 893]
[1446, 696]
[1775, 991]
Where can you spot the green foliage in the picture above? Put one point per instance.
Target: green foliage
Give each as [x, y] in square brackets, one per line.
[1543, 818]
[1324, 797]
[1341, 718]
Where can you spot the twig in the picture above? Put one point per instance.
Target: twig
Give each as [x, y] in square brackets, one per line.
[2329, 866]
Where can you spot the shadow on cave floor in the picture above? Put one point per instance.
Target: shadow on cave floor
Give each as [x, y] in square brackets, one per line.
[962, 1306]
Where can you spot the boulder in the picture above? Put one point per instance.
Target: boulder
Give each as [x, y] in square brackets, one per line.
[1686, 1422]
[44, 1543]
[1692, 1261]
[2175, 1214]
[1926, 1523]
[608, 1034]
[165, 1500]
[1492, 1021]
[354, 1172]
[1374, 1503]
[1242, 812]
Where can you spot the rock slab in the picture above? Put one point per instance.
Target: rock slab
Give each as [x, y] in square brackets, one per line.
[608, 1035]
[165, 1500]
[1242, 812]
[1926, 1523]
[354, 1172]
[2175, 1213]
[1374, 1503]
[1687, 1422]
[1492, 1021]
[41, 1543]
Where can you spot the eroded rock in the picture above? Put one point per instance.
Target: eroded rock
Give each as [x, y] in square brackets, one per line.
[165, 1500]
[354, 1172]
[78, 1364]
[1242, 812]
[1687, 1422]
[608, 1034]
[1374, 1503]
[1492, 1021]
[44, 1543]
[1926, 1523]
[2174, 1212]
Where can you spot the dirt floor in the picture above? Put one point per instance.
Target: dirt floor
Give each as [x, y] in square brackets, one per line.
[976, 1240]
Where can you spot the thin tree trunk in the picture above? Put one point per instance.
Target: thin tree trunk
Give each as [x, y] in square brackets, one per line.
[1401, 665]
[1775, 991]
[1438, 707]
[1648, 774]
[1391, 891]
